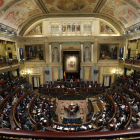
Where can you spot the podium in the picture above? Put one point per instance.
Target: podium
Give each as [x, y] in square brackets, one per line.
[71, 112]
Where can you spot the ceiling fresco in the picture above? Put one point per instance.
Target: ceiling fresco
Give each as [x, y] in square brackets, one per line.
[70, 5]
[121, 10]
[17, 14]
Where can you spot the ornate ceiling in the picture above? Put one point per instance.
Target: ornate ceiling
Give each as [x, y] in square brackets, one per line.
[20, 14]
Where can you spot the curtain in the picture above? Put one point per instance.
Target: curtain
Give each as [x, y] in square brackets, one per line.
[106, 81]
[36, 81]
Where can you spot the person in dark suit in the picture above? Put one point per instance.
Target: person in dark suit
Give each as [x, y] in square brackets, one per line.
[21, 54]
[71, 86]
[76, 108]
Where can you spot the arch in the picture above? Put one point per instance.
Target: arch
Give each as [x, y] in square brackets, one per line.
[119, 27]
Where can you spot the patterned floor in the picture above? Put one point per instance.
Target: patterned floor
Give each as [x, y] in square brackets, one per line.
[83, 110]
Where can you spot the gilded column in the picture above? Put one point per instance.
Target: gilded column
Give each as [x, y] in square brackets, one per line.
[82, 52]
[92, 52]
[50, 52]
[60, 49]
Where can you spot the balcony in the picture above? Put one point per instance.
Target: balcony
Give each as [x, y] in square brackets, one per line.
[132, 62]
[8, 65]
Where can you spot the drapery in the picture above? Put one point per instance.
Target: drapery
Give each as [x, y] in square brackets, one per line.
[36, 81]
[106, 81]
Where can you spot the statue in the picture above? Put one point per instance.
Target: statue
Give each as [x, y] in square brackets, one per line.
[55, 54]
[87, 54]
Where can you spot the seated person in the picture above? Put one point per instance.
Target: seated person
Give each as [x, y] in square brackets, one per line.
[80, 86]
[89, 86]
[58, 79]
[68, 78]
[63, 86]
[71, 80]
[76, 108]
[78, 80]
[47, 86]
[71, 86]
[84, 86]
[58, 86]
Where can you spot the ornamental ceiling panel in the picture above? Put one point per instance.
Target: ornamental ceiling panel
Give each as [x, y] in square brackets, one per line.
[124, 11]
[19, 13]
[69, 6]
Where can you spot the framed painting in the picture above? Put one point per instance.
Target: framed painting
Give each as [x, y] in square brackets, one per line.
[71, 63]
[34, 52]
[108, 51]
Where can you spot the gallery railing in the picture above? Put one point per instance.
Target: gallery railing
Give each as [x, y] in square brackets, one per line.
[70, 135]
[133, 62]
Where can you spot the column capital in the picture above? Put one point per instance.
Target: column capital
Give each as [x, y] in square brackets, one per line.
[92, 42]
[82, 42]
[50, 43]
[60, 42]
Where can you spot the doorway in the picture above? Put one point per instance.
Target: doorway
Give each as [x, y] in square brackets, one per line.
[73, 66]
[107, 81]
[10, 55]
[35, 82]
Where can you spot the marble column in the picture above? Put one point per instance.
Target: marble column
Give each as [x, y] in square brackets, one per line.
[81, 52]
[91, 52]
[50, 52]
[49, 28]
[60, 27]
[60, 49]
[92, 28]
[82, 28]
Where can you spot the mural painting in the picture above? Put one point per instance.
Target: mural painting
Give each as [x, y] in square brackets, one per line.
[29, 7]
[9, 16]
[70, 5]
[106, 29]
[70, 27]
[1, 2]
[13, 20]
[108, 52]
[18, 21]
[123, 20]
[34, 52]
[111, 6]
[128, 18]
[36, 30]
[132, 14]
